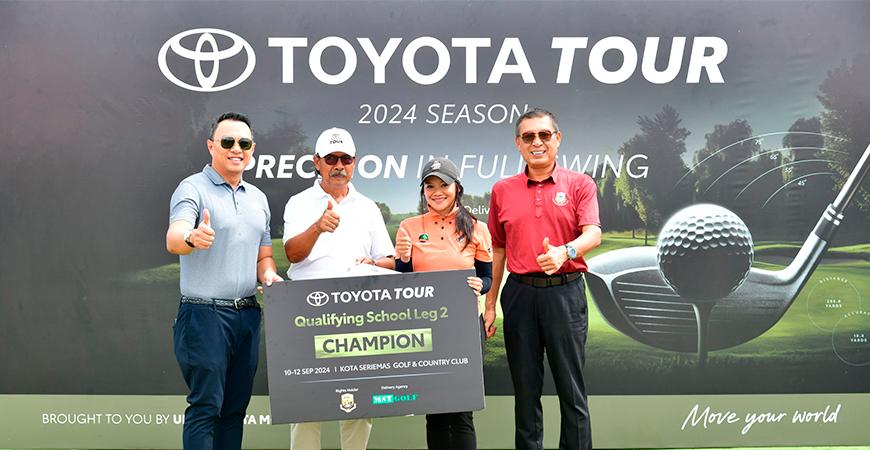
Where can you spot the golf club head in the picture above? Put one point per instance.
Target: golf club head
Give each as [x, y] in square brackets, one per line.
[634, 298]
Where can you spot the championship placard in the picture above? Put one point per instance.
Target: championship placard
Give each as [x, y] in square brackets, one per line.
[373, 346]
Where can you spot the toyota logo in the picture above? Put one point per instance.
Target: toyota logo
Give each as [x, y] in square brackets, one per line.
[212, 54]
[317, 298]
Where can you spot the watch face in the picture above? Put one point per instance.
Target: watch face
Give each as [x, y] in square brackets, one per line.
[572, 252]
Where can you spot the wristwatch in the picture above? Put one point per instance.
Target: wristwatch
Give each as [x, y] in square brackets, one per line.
[187, 238]
[572, 252]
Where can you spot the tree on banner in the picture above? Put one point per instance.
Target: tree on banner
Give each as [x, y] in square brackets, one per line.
[614, 213]
[655, 197]
[846, 99]
[722, 168]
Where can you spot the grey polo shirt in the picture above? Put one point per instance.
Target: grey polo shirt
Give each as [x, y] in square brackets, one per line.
[240, 219]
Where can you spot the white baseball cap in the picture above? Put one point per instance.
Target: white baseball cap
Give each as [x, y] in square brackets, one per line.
[334, 140]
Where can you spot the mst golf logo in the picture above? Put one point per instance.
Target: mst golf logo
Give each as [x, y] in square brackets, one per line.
[317, 298]
[207, 53]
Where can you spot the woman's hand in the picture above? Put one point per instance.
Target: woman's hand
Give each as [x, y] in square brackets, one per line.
[403, 245]
[476, 284]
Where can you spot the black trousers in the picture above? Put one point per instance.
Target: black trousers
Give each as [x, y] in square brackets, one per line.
[552, 319]
[451, 431]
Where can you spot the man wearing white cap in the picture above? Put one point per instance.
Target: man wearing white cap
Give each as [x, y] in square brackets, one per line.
[328, 229]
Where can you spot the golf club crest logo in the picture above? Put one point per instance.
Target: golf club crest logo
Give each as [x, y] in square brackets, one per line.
[207, 50]
[348, 403]
[317, 298]
[560, 199]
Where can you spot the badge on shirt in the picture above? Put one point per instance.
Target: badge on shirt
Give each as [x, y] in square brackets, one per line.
[561, 199]
[423, 237]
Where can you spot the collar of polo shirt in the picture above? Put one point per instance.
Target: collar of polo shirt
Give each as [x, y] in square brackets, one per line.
[216, 178]
[435, 215]
[552, 178]
[351, 191]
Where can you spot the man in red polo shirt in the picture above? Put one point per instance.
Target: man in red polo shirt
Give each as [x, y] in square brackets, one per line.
[543, 221]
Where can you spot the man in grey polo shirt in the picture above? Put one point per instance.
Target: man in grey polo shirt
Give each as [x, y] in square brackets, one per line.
[219, 225]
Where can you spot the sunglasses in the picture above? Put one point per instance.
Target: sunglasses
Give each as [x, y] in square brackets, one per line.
[227, 142]
[345, 159]
[544, 136]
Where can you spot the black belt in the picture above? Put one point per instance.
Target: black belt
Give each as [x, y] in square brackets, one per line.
[543, 280]
[237, 303]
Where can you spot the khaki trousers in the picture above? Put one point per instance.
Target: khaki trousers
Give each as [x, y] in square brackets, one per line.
[354, 435]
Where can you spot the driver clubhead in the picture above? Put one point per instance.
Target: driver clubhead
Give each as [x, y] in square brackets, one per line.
[634, 298]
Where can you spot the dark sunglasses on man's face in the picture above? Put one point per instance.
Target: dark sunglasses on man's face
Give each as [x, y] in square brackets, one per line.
[544, 136]
[228, 142]
[345, 159]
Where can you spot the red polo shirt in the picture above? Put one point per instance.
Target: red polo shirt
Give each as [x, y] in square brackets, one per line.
[523, 212]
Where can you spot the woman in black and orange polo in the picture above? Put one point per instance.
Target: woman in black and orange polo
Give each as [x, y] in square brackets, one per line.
[447, 237]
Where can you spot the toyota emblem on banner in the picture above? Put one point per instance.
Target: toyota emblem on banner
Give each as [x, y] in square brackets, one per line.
[207, 50]
[317, 298]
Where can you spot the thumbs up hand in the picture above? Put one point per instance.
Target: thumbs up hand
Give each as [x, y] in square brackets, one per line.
[552, 258]
[203, 235]
[403, 245]
[329, 220]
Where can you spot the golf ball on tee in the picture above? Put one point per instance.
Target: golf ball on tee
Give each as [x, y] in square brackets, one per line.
[704, 252]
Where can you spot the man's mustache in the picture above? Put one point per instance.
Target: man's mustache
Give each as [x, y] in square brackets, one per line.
[338, 173]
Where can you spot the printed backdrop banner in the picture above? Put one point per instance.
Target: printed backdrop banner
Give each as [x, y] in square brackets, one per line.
[726, 140]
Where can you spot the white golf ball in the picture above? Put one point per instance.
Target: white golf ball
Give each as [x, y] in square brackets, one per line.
[704, 252]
